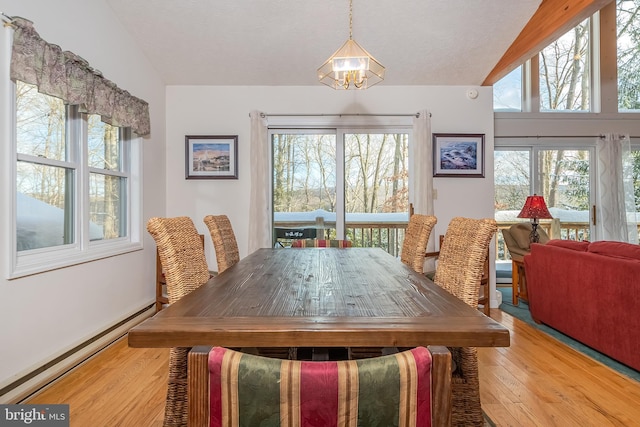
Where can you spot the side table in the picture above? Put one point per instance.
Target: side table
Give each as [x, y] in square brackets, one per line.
[518, 280]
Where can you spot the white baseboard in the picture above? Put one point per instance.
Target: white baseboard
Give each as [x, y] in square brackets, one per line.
[41, 381]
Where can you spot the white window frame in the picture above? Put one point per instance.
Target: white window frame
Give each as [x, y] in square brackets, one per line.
[554, 143]
[339, 125]
[35, 261]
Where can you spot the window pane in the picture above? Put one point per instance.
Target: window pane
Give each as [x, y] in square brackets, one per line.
[304, 180]
[512, 179]
[104, 145]
[628, 35]
[376, 189]
[564, 72]
[512, 186]
[564, 181]
[40, 127]
[106, 207]
[44, 210]
[507, 93]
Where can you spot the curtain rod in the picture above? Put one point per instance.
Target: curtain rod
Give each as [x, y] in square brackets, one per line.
[560, 136]
[341, 115]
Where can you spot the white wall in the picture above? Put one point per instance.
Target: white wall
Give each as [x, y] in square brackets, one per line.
[44, 315]
[211, 110]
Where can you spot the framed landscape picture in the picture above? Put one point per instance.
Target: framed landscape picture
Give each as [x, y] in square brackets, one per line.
[211, 156]
[458, 155]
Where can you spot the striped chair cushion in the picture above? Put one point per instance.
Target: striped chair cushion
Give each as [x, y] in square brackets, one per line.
[249, 390]
[320, 243]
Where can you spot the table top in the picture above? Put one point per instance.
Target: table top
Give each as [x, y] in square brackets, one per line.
[319, 297]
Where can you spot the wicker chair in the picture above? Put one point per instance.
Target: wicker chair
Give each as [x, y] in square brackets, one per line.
[185, 266]
[459, 271]
[415, 241]
[224, 241]
[232, 388]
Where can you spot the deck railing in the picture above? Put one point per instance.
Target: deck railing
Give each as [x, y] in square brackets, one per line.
[390, 235]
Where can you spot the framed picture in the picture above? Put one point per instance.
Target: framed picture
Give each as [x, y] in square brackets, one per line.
[211, 156]
[458, 155]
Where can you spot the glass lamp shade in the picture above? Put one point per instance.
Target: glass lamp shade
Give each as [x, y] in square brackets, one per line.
[535, 207]
[351, 67]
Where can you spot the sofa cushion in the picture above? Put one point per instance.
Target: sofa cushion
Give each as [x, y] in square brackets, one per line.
[615, 249]
[570, 244]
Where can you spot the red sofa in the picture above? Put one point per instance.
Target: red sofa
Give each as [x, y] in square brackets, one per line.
[590, 292]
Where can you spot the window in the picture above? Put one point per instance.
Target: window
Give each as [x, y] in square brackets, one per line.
[563, 72]
[628, 40]
[343, 184]
[73, 184]
[507, 93]
[564, 68]
[563, 176]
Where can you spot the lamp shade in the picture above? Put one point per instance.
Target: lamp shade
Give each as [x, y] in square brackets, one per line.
[535, 207]
[351, 67]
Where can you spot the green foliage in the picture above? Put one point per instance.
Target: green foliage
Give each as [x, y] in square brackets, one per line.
[628, 36]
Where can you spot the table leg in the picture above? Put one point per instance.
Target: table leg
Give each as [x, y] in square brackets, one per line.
[514, 283]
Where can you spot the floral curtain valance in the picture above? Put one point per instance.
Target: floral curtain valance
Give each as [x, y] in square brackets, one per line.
[70, 78]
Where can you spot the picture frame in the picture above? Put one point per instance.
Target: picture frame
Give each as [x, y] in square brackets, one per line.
[211, 157]
[458, 155]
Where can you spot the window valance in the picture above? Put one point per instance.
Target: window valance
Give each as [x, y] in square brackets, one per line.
[67, 76]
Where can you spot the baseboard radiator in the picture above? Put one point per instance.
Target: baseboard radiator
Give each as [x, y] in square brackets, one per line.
[22, 389]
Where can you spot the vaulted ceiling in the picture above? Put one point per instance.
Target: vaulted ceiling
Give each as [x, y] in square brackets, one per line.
[283, 42]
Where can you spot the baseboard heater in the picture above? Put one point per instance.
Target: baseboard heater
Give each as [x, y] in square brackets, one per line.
[37, 380]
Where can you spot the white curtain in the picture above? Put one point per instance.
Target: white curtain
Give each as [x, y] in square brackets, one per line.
[422, 173]
[615, 207]
[259, 205]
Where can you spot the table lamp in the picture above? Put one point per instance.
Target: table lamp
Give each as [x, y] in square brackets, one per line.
[535, 208]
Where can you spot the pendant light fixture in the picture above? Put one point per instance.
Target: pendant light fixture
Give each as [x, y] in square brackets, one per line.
[351, 67]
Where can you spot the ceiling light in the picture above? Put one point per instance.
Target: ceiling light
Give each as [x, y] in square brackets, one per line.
[351, 67]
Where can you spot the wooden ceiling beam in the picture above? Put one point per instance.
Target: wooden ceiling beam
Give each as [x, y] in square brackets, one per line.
[552, 19]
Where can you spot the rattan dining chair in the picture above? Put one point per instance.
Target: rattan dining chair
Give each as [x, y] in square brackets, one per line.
[459, 271]
[185, 268]
[224, 241]
[415, 242]
[228, 388]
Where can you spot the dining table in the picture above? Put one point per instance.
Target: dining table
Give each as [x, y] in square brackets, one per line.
[319, 297]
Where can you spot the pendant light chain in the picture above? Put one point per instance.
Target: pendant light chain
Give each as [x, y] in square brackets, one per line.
[350, 19]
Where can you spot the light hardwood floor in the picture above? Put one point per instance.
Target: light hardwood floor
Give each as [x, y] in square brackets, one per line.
[537, 381]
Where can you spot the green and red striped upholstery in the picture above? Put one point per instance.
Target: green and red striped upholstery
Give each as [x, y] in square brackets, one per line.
[320, 243]
[249, 390]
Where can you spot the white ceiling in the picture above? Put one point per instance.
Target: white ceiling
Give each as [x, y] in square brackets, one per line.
[283, 42]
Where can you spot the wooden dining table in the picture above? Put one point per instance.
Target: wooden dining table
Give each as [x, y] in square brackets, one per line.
[319, 297]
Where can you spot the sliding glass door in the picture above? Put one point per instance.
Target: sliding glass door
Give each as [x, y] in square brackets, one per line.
[564, 177]
[340, 183]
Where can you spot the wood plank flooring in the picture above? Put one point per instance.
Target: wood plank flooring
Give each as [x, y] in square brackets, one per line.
[537, 381]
